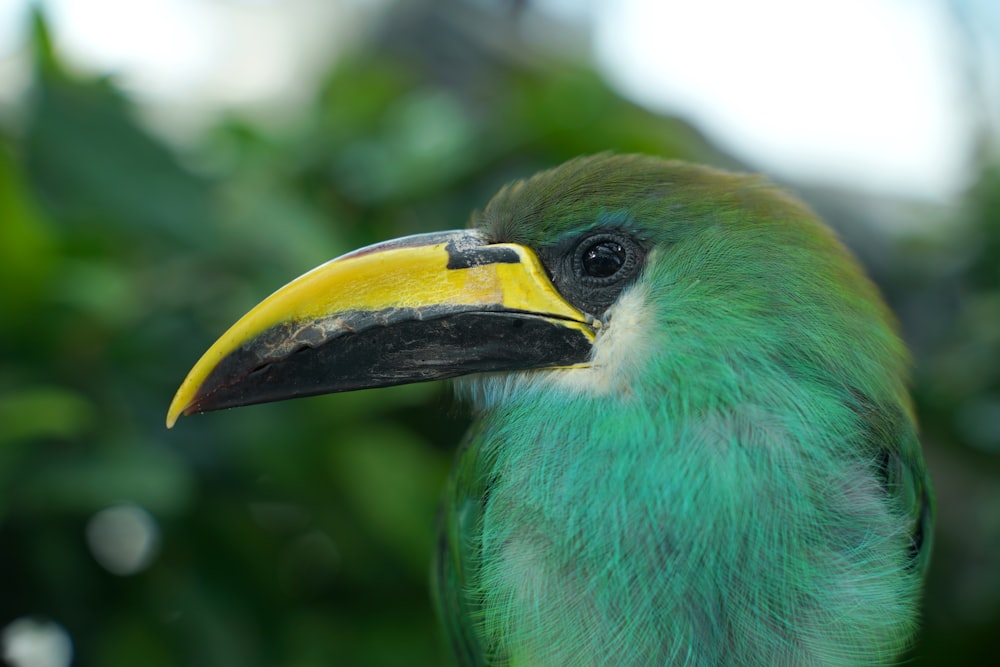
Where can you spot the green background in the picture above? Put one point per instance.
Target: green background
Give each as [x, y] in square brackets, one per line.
[300, 534]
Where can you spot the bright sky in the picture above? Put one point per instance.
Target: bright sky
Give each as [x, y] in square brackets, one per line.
[859, 92]
[863, 93]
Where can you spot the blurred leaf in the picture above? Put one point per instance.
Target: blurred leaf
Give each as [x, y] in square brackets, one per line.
[93, 164]
[27, 252]
[43, 412]
[146, 476]
[104, 291]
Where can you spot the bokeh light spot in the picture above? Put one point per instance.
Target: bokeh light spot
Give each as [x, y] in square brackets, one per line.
[30, 642]
[124, 539]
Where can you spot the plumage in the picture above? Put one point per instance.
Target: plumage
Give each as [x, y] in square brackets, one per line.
[731, 475]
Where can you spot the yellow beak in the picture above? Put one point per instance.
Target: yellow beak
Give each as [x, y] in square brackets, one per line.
[417, 308]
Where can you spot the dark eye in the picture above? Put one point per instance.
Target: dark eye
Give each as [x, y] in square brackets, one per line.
[603, 259]
[592, 269]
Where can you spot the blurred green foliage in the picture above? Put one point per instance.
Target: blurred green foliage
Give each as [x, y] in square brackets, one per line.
[300, 534]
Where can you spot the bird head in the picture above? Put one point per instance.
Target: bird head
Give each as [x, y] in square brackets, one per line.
[588, 276]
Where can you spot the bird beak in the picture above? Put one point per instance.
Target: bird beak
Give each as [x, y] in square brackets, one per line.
[417, 308]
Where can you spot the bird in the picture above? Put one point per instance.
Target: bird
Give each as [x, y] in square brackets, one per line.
[693, 441]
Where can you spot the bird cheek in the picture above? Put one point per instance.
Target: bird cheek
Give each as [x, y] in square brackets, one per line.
[623, 348]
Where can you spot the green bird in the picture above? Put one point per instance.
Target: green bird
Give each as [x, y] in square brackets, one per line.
[693, 441]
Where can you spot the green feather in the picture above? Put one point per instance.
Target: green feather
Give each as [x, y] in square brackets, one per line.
[736, 480]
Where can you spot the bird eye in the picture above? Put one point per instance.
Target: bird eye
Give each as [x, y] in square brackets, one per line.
[591, 270]
[603, 259]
